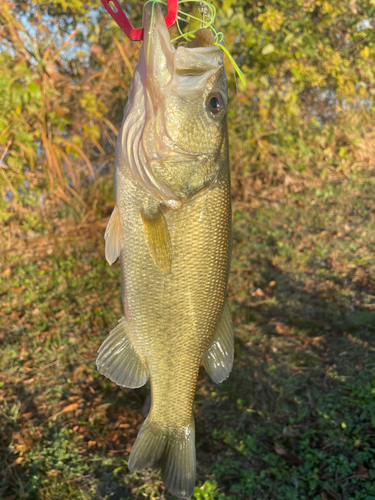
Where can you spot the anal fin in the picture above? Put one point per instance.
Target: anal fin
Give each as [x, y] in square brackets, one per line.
[218, 358]
[157, 238]
[119, 361]
[112, 237]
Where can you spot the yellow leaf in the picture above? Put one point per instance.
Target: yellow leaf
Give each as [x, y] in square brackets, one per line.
[365, 52]
[268, 49]
[92, 133]
[77, 140]
[362, 91]
[81, 54]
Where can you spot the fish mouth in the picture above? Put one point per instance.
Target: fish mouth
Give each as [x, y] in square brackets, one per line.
[179, 154]
[177, 157]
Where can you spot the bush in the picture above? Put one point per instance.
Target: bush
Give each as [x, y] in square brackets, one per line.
[65, 69]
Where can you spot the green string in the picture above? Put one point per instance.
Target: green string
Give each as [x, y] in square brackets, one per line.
[238, 71]
[219, 36]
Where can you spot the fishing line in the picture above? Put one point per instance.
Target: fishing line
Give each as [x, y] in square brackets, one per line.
[149, 39]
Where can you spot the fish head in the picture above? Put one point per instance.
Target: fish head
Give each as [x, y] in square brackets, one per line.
[181, 133]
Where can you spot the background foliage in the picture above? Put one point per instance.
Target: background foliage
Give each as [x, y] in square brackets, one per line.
[65, 69]
[295, 419]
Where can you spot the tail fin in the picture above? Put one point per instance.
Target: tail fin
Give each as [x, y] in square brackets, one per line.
[148, 447]
[173, 452]
[178, 463]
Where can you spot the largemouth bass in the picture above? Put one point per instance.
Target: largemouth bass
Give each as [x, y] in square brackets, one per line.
[171, 228]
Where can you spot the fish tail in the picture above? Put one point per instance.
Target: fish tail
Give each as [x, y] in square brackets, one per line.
[172, 451]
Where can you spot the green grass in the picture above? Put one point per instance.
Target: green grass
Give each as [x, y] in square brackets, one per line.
[295, 419]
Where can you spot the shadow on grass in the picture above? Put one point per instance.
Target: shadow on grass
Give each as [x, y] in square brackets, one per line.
[296, 417]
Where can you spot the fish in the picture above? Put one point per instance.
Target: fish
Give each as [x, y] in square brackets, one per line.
[171, 229]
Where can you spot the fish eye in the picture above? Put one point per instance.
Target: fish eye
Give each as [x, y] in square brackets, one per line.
[215, 103]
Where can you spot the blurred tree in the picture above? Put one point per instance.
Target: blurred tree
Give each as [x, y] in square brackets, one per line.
[310, 96]
[65, 69]
[64, 77]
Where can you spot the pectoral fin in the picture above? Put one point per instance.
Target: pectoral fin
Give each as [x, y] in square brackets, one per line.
[218, 358]
[157, 238]
[112, 237]
[119, 361]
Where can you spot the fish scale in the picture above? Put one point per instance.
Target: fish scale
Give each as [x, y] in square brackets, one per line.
[180, 310]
